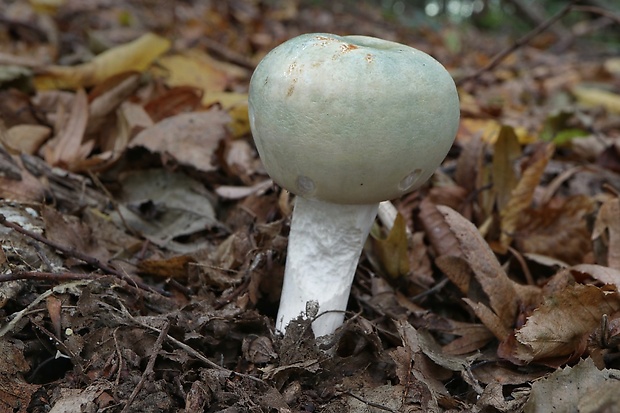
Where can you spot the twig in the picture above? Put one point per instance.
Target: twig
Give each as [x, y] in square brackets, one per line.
[498, 58]
[48, 276]
[149, 367]
[369, 403]
[189, 350]
[73, 252]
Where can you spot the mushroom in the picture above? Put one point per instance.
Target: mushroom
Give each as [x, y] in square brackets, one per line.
[344, 122]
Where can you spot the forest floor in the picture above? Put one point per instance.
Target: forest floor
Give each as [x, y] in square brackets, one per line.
[143, 244]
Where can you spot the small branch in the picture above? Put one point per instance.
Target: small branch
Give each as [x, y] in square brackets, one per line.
[498, 58]
[149, 367]
[48, 276]
[369, 403]
[72, 252]
[189, 350]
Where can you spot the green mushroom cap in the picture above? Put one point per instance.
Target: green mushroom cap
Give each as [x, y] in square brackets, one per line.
[351, 119]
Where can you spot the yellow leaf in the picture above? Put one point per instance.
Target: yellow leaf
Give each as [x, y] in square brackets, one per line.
[237, 106]
[489, 130]
[590, 96]
[193, 68]
[392, 251]
[522, 195]
[47, 6]
[137, 55]
[506, 152]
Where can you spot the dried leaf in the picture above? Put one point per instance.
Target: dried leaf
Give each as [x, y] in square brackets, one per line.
[173, 267]
[71, 232]
[589, 96]
[162, 206]
[181, 99]
[66, 147]
[582, 388]
[137, 55]
[26, 138]
[523, 194]
[194, 68]
[392, 251]
[15, 393]
[189, 138]
[559, 326]
[457, 270]
[498, 287]
[437, 231]
[506, 152]
[560, 232]
[605, 275]
[607, 226]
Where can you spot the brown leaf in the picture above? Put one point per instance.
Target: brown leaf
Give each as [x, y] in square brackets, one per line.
[582, 388]
[607, 227]
[69, 231]
[560, 232]
[558, 327]
[522, 195]
[457, 270]
[26, 138]
[15, 393]
[437, 231]
[173, 267]
[177, 100]
[66, 147]
[605, 275]
[488, 272]
[190, 138]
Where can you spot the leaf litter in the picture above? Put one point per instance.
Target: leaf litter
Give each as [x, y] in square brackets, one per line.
[143, 244]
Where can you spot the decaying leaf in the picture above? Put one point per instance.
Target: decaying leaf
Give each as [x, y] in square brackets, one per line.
[606, 275]
[499, 289]
[15, 392]
[163, 206]
[561, 325]
[557, 231]
[582, 388]
[189, 138]
[71, 232]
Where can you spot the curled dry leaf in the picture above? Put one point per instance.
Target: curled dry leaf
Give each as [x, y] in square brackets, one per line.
[560, 326]
[606, 275]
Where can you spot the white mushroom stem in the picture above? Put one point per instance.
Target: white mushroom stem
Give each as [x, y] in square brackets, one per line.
[325, 244]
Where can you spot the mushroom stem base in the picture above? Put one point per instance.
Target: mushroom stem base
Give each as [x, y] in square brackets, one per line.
[325, 243]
